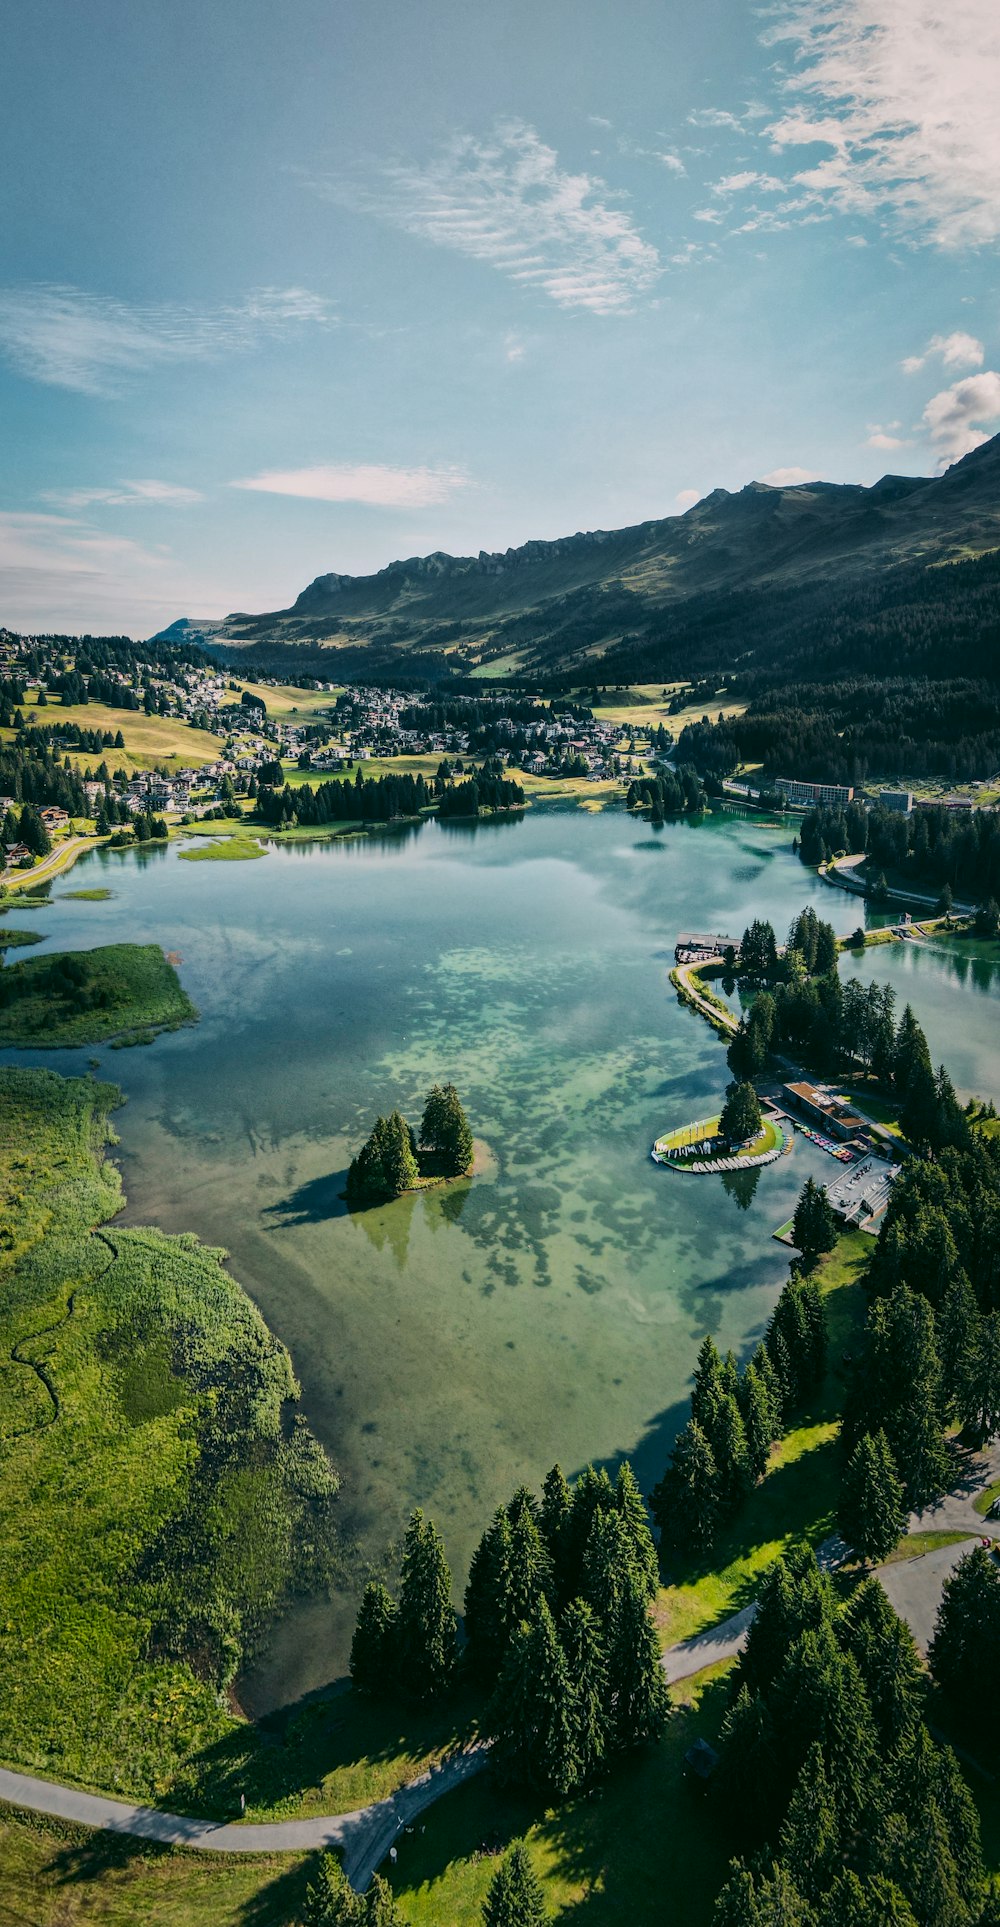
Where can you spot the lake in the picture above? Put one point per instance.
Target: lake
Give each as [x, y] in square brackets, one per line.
[455, 1343]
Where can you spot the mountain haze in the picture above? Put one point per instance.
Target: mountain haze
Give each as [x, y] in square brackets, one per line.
[633, 594]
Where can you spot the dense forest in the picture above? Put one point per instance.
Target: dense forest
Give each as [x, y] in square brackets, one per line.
[934, 846]
[382, 799]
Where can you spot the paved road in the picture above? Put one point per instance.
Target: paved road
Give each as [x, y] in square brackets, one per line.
[62, 857]
[365, 1836]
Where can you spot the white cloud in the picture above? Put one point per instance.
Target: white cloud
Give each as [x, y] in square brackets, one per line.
[127, 495]
[958, 418]
[957, 350]
[790, 477]
[738, 183]
[371, 483]
[92, 343]
[513, 347]
[685, 497]
[904, 93]
[505, 201]
[714, 117]
[885, 437]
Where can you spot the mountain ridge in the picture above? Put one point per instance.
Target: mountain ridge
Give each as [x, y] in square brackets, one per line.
[547, 605]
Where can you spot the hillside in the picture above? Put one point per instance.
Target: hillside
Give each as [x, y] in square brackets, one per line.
[639, 593]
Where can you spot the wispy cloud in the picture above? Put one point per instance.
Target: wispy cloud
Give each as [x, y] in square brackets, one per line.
[93, 343]
[686, 497]
[749, 178]
[126, 495]
[371, 483]
[506, 201]
[790, 477]
[962, 417]
[957, 350]
[904, 93]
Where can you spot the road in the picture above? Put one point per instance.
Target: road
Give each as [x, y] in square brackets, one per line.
[365, 1836]
[60, 858]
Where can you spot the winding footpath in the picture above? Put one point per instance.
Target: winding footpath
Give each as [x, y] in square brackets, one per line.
[365, 1836]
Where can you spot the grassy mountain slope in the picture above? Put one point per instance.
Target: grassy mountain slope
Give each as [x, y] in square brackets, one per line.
[554, 607]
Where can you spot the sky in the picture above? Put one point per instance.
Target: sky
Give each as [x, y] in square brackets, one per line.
[310, 287]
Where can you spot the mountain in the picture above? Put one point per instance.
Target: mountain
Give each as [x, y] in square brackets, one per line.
[637, 595]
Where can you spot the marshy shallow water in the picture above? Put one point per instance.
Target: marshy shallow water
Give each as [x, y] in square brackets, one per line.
[456, 1342]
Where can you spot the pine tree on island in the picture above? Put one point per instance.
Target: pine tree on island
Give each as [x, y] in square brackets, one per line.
[741, 1119]
[445, 1129]
[386, 1164]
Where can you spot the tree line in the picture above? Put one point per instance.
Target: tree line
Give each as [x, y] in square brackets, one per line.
[933, 846]
[669, 793]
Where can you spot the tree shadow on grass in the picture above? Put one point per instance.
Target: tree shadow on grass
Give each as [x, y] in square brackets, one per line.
[289, 1755]
[93, 1856]
[648, 1838]
[797, 1500]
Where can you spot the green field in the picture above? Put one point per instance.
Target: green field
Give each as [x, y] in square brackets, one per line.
[151, 742]
[158, 1499]
[230, 848]
[87, 896]
[123, 990]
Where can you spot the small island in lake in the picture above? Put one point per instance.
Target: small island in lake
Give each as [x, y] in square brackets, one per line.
[392, 1160]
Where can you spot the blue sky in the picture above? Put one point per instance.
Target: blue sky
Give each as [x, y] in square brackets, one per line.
[286, 289]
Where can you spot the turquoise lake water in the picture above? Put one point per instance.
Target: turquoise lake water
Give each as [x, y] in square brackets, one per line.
[455, 1343]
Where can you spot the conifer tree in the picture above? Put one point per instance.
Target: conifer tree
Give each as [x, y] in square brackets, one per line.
[810, 1836]
[554, 1520]
[530, 1715]
[964, 1653]
[979, 1390]
[607, 1565]
[515, 1896]
[638, 1683]
[732, 1458]
[373, 1648]
[872, 1517]
[814, 1227]
[873, 1902]
[484, 1628]
[740, 1119]
[330, 1901]
[707, 1390]
[887, 1659]
[379, 1905]
[587, 1671]
[958, 1344]
[593, 1492]
[748, 1768]
[427, 1625]
[757, 1413]
[445, 1128]
[794, 1596]
[686, 1504]
[632, 1512]
[399, 1165]
[749, 1900]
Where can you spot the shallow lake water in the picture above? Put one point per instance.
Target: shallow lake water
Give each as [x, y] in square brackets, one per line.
[457, 1342]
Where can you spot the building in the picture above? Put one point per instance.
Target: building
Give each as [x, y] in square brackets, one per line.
[695, 947]
[807, 795]
[824, 1109]
[862, 1193]
[901, 801]
[54, 819]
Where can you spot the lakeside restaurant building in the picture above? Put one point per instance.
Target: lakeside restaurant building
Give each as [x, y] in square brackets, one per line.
[825, 1110]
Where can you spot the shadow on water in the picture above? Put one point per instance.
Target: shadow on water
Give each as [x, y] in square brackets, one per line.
[312, 1203]
[464, 827]
[741, 1186]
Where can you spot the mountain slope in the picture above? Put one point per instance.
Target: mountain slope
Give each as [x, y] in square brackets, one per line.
[554, 606]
